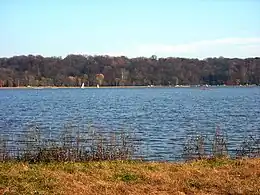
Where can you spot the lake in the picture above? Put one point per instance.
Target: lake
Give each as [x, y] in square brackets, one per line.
[161, 118]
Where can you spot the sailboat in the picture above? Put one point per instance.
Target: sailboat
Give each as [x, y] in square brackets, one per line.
[82, 86]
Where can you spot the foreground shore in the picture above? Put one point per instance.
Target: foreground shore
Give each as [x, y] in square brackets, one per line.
[215, 176]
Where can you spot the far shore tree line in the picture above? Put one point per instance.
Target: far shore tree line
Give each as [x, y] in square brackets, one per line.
[74, 70]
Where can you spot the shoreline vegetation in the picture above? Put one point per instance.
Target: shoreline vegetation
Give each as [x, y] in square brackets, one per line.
[72, 143]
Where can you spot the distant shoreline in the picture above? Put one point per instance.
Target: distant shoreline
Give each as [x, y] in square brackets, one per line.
[123, 87]
[90, 87]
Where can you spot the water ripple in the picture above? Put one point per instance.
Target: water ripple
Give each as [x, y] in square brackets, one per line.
[162, 118]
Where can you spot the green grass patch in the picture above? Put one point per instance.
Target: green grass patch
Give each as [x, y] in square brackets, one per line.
[127, 177]
[214, 162]
[152, 168]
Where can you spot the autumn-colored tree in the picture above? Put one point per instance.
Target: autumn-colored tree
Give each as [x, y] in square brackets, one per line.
[100, 77]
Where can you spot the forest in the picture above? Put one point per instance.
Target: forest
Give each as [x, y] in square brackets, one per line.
[73, 70]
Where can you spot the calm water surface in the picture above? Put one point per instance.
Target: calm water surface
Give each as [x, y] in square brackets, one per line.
[160, 117]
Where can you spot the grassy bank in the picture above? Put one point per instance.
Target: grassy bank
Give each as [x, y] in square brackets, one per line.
[215, 176]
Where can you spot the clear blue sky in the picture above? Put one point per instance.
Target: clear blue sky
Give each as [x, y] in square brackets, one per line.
[229, 28]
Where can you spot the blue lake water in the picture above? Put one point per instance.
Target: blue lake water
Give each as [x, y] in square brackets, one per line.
[161, 117]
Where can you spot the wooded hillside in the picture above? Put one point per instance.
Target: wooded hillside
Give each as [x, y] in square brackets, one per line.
[118, 71]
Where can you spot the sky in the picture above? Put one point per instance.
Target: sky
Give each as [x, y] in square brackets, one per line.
[133, 28]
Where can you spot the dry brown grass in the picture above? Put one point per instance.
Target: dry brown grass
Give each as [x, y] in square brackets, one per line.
[216, 176]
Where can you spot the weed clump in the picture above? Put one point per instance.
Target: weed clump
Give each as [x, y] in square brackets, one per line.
[71, 145]
[216, 147]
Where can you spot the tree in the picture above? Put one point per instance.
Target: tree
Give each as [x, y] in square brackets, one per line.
[100, 77]
[154, 57]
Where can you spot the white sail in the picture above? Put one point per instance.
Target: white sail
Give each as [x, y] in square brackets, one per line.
[82, 86]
